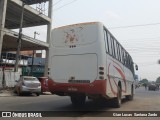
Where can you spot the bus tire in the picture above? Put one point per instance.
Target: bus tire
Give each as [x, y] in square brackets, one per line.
[131, 96]
[78, 100]
[116, 102]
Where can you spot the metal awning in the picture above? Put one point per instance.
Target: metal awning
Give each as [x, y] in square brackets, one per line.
[31, 16]
[28, 43]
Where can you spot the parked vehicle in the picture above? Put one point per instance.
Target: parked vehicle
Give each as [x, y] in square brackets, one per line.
[28, 84]
[152, 87]
[44, 84]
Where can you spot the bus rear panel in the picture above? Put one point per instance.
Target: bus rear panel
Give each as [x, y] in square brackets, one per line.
[83, 62]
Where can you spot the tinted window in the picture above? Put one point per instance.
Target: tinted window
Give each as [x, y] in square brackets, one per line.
[120, 53]
[106, 41]
[116, 49]
[109, 44]
[112, 46]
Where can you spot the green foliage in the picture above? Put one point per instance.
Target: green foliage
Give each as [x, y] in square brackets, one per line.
[144, 81]
[158, 80]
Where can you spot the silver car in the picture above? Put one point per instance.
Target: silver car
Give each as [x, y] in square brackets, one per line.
[28, 84]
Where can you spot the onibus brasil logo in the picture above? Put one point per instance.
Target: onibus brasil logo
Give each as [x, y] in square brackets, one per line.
[21, 114]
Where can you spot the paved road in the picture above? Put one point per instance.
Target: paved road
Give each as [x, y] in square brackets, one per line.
[143, 101]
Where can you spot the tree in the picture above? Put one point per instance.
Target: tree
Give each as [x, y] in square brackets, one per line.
[158, 80]
[144, 81]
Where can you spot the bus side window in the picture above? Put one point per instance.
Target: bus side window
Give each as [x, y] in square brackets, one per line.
[113, 48]
[127, 60]
[124, 57]
[106, 41]
[116, 49]
[120, 53]
[130, 62]
[109, 44]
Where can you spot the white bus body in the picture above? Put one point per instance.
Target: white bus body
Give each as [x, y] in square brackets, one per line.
[82, 63]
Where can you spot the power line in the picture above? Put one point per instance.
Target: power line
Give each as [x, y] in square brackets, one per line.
[153, 38]
[148, 65]
[65, 5]
[142, 25]
[57, 2]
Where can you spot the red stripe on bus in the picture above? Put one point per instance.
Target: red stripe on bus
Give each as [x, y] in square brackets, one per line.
[96, 87]
[122, 75]
[115, 93]
[123, 78]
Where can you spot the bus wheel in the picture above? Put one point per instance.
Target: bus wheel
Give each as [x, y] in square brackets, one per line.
[116, 102]
[78, 100]
[130, 97]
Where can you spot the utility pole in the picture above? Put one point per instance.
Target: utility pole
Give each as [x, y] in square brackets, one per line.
[35, 33]
[19, 40]
[49, 28]
[3, 7]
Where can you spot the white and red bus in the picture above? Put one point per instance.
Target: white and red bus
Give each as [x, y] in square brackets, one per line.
[87, 60]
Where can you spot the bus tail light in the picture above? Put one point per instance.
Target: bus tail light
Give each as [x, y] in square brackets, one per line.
[101, 68]
[101, 73]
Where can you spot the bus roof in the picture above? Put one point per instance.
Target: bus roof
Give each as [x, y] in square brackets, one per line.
[86, 23]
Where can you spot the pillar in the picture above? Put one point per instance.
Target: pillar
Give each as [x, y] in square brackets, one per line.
[3, 7]
[49, 28]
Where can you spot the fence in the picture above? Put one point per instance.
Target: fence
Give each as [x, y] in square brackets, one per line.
[8, 76]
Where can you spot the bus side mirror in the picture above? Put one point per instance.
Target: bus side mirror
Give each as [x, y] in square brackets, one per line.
[136, 67]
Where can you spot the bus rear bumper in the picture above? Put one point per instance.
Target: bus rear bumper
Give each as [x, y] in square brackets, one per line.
[97, 87]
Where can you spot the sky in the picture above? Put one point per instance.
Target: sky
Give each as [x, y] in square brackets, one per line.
[142, 42]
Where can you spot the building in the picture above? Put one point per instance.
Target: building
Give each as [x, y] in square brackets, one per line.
[10, 12]
[37, 67]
